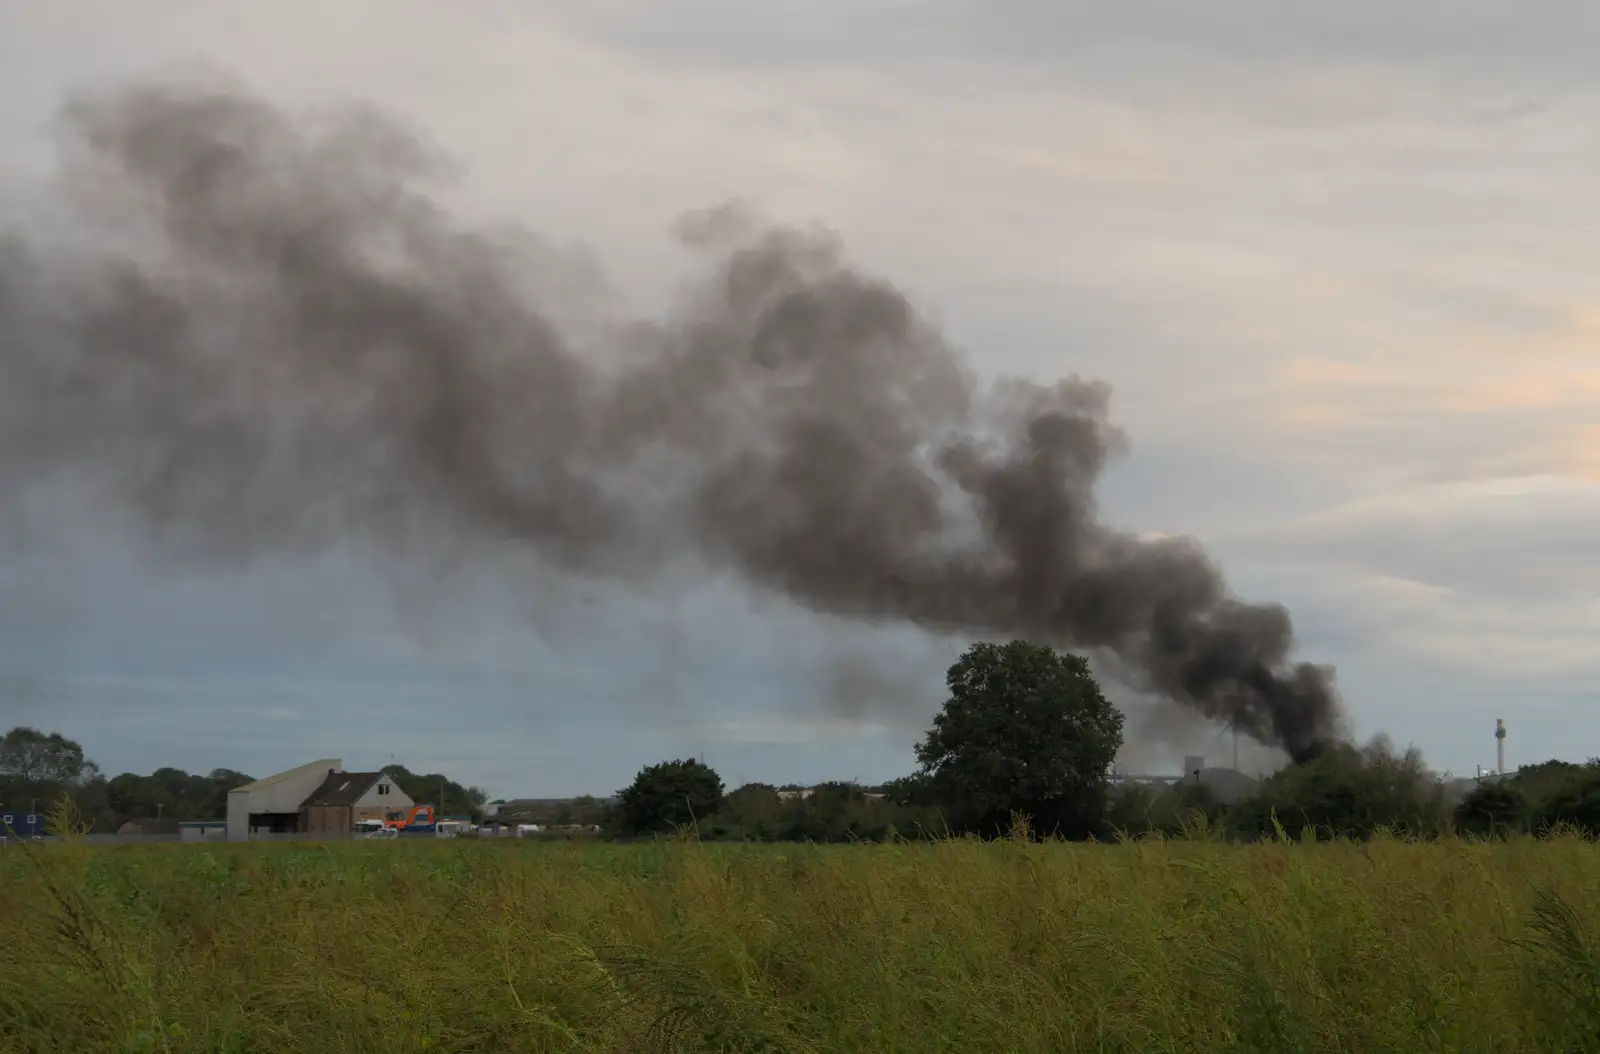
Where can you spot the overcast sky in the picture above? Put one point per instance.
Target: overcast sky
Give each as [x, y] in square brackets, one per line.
[1338, 267]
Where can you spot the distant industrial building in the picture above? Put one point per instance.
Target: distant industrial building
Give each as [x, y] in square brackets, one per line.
[1227, 785]
[316, 797]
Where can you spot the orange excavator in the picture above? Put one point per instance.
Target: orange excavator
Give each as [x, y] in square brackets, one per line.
[419, 820]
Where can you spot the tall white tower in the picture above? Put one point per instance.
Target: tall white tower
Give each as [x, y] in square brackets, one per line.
[1500, 745]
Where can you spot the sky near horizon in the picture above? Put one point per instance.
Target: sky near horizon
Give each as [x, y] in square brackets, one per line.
[1337, 265]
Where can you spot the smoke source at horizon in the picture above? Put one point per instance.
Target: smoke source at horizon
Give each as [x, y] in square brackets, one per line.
[298, 348]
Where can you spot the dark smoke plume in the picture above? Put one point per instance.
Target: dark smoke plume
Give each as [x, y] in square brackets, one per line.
[299, 347]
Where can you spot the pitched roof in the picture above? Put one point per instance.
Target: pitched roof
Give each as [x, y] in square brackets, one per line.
[330, 764]
[342, 788]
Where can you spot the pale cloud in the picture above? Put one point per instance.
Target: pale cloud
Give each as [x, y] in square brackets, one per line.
[795, 32]
[1535, 523]
[1535, 393]
[1458, 631]
[1465, 369]
[1577, 453]
[1493, 577]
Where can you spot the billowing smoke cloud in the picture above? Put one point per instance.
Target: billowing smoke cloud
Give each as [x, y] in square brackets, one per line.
[299, 347]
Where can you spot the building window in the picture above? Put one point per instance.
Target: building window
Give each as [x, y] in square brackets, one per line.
[383, 788]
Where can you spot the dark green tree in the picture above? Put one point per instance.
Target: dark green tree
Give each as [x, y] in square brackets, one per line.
[1346, 792]
[30, 756]
[1575, 802]
[752, 812]
[39, 768]
[173, 793]
[138, 797]
[1539, 783]
[1493, 807]
[668, 796]
[831, 812]
[1138, 809]
[912, 790]
[1025, 730]
[1134, 809]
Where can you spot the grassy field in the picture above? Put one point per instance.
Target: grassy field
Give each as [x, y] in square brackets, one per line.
[960, 947]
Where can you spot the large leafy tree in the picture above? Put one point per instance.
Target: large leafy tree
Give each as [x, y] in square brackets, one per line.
[668, 796]
[754, 809]
[174, 793]
[38, 768]
[1025, 730]
[1576, 801]
[1493, 807]
[31, 756]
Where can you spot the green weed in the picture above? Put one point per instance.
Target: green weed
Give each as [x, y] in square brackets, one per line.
[1179, 944]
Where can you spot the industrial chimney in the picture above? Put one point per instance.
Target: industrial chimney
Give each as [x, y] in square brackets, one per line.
[1500, 745]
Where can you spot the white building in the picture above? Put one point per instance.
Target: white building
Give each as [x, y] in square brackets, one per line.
[272, 805]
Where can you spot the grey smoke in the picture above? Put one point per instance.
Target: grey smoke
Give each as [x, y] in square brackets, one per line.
[282, 342]
[1159, 730]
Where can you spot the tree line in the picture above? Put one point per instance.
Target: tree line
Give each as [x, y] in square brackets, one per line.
[39, 768]
[1026, 734]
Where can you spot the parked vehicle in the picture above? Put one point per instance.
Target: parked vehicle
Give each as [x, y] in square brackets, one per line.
[420, 820]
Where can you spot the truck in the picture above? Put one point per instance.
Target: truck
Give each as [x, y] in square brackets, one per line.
[420, 820]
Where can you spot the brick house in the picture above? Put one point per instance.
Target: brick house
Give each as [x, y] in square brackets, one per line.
[346, 798]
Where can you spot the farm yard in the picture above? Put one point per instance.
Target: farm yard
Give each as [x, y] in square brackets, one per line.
[960, 945]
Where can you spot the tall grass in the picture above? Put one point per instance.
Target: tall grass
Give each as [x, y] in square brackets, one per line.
[1189, 945]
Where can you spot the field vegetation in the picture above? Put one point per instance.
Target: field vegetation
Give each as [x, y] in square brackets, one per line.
[1004, 897]
[1156, 944]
